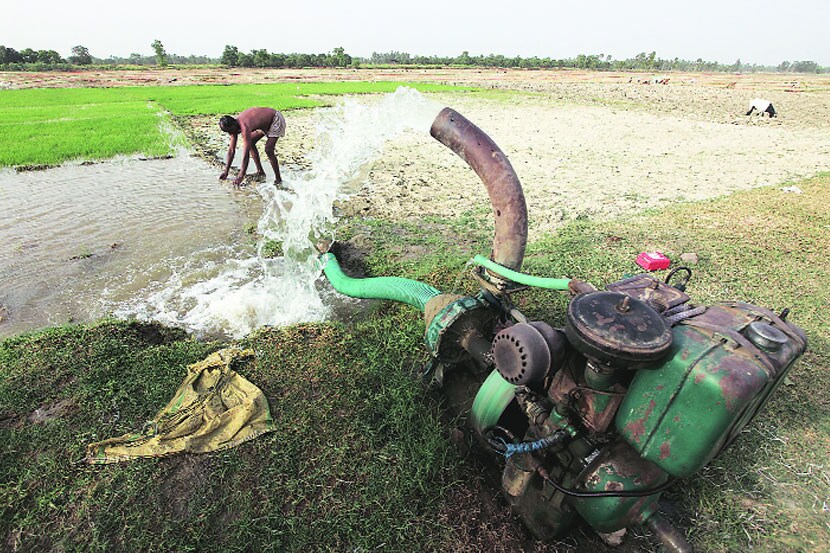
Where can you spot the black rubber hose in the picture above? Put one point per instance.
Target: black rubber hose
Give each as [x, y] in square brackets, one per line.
[587, 495]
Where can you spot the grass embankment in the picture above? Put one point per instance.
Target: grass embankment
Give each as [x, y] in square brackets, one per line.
[360, 460]
[50, 126]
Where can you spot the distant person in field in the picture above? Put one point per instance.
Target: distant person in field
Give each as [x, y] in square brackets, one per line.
[253, 124]
[761, 106]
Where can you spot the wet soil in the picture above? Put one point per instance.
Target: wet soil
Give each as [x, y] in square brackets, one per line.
[583, 145]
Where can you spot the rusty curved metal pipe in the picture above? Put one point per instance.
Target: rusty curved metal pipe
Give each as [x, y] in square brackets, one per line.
[472, 145]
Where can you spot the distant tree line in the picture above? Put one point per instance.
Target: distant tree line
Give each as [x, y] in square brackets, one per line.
[232, 57]
[12, 59]
[44, 60]
[643, 61]
[153, 59]
[599, 62]
[29, 59]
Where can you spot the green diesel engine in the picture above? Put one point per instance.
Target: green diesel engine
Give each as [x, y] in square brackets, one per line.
[641, 387]
[596, 419]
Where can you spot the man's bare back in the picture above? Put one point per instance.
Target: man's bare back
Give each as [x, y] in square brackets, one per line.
[253, 124]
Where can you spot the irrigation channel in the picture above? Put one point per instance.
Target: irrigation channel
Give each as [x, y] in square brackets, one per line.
[165, 240]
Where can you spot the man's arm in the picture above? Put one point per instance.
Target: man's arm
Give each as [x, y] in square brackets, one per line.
[229, 157]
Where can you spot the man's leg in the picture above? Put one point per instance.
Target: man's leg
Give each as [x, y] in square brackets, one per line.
[270, 145]
[255, 156]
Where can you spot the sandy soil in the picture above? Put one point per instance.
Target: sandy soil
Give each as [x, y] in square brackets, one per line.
[582, 144]
[597, 161]
[596, 149]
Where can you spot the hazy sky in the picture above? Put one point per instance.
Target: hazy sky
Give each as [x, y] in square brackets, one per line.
[759, 31]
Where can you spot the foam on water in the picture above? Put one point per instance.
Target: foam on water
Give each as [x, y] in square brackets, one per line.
[245, 294]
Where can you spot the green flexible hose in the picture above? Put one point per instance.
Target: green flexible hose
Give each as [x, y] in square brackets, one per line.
[410, 292]
[521, 278]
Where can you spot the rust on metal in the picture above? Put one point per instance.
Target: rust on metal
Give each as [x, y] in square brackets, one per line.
[576, 287]
[740, 384]
[616, 328]
[597, 408]
[562, 386]
[614, 486]
[472, 145]
[646, 288]
[619, 468]
[637, 428]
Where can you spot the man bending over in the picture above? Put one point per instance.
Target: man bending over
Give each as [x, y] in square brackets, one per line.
[253, 124]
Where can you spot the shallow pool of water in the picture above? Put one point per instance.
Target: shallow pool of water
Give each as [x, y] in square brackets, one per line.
[77, 241]
[165, 240]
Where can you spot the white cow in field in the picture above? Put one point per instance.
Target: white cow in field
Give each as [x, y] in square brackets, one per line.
[761, 106]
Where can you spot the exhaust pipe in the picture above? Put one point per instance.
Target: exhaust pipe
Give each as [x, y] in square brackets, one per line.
[672, 539]
[472, 145]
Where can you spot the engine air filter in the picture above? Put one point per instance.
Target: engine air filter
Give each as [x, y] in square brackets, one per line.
[521, 354]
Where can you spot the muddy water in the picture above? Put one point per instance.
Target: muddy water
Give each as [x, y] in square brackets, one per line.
[77, 242]
[165, 240]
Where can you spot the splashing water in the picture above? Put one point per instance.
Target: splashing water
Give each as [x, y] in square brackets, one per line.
[245, 294]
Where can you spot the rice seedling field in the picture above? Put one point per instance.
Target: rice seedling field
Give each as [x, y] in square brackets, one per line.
[49, 126]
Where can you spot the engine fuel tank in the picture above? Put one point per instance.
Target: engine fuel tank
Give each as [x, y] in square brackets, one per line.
[722, 367]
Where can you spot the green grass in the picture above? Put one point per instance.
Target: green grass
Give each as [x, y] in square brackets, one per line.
[211, 100]
[361, 460]
[357, 461]
[50, 126]
[51, 135]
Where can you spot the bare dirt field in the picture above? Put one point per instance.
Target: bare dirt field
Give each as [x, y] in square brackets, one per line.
[593, 161]
[596, 145]
[584, 144]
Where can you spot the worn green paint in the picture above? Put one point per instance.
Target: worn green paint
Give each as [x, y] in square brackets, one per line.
[679, 414]
[448, 316]
[600, 402]
[619, 468]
